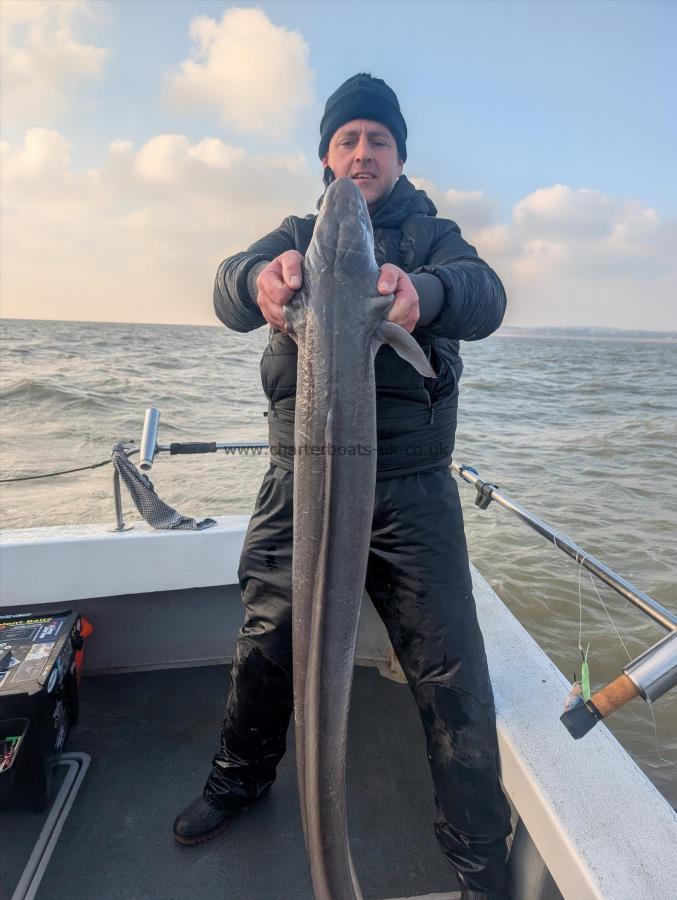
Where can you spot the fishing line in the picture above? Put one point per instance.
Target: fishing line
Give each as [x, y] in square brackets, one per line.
[655, 734]
[580, 687]
[582, 683]
[609, 615]
[650, 705]
[585, 669]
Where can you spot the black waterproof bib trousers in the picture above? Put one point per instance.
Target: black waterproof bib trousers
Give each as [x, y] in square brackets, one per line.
[419, 581]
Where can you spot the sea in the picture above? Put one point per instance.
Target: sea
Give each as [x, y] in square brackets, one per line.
[579, 429]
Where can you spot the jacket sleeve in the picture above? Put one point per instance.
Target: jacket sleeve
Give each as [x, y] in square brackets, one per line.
[474, 301]
[233, 301]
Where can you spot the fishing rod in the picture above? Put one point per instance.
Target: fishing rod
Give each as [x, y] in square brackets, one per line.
[651, 674]
[487, 492]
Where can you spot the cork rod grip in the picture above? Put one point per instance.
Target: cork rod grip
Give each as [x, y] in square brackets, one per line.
[616, 694]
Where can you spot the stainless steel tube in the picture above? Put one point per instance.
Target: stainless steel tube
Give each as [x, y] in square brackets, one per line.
[149, 438]
[119, 520]
[224, 445]
[655, 671]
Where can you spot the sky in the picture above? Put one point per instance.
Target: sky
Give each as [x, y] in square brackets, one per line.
[143, 141]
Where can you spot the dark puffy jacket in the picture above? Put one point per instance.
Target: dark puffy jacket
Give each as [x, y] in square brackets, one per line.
[416, 416]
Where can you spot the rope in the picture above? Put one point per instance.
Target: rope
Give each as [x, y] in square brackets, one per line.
[104, 462]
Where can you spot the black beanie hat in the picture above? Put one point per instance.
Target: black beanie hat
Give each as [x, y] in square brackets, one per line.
[363, 97]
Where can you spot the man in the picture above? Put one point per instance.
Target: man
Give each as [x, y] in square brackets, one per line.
[418, 572]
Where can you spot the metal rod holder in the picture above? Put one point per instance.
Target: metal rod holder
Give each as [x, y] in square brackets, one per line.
[654, 672]
[120, 522]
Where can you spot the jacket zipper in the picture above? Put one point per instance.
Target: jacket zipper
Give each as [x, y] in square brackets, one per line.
[431, 407]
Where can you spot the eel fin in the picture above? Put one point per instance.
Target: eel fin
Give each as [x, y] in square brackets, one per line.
[294, 314]
[405, 346]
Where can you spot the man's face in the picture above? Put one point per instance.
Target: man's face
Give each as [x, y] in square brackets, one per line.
[365, 151]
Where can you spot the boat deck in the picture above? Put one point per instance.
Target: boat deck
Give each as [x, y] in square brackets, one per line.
[150, 737]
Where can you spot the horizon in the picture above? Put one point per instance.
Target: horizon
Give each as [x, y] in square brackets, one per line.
[142, 143]
[600, 329]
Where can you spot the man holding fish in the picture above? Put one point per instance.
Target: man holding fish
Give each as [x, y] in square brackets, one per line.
[418, 573]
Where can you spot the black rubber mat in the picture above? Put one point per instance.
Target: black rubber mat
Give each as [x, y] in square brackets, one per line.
[151, 737]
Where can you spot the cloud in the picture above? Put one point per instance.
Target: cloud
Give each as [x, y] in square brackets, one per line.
[138, 238]
[44, 153]
[169, 158]
[41, 57]
[572, 256]
[473, 208]
[252, 73]
[558, 212]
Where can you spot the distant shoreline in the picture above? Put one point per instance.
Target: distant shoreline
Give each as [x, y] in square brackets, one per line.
[571, 333]
[565, 335]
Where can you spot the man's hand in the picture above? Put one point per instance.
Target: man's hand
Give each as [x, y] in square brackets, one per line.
[405, 310]
[277, 284]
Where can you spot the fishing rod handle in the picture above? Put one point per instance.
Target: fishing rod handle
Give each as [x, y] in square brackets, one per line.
[192, 447]
[616, 694]
[580, 719]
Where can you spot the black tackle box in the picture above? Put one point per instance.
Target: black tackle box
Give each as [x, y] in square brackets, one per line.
[38, 701]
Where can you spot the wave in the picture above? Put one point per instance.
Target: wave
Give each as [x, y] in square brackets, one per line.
[17, 394]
